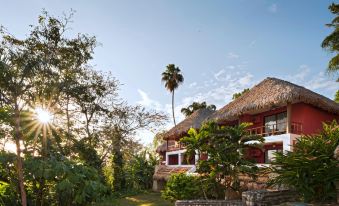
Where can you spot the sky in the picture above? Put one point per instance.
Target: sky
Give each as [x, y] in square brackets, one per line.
[221, 46]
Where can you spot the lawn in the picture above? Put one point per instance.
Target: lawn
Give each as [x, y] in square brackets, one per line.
[147, 199]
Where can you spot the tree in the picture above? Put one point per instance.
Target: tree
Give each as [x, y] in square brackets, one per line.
[237, 95]
[187, 111]
[225, 147]
[91, 125]
[331, 42]
[311, 167]
[33, 71]
[336, 98]
[123, 124]
[172, 78]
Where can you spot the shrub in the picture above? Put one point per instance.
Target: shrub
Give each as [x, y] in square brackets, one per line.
[67, 182]
[139, 171]
[182, 187]
[311, 168]
[8, 195]
[225, 147]
[187, 187]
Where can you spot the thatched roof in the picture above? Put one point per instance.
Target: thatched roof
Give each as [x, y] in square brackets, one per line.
[162, 148]
[193, 121]
[164, 172]
[272, 93]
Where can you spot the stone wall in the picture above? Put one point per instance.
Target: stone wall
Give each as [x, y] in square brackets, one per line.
[266, 198]
[249, 198]
[208, 203]
[260, 183]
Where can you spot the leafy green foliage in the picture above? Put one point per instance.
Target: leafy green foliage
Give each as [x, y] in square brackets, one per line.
[68, 183]
[140, 170]
[237, 95]
[8, 180]
[336, 97]
[8, 195]
[187, 187]
[331, 42]
[311, 168]
[182, 187]
[187, 111]
[225, 147]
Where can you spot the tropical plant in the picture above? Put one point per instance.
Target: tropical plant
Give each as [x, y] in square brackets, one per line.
[182, 187]
[140, 170]
[226, 148]
[336, 97]
[172, 78]
[237, 95]
[191, 186]
[311, 167]
[187, 111]
[331, 42]
[68, 183]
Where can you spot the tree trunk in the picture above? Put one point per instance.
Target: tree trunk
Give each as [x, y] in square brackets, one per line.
[173, 108]
[19, 165]
[68, 123]
[119, 180]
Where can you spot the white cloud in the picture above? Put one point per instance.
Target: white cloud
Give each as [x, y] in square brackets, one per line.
[301, 74]
[193, 84]
[147, 102]
[246, 80]
[218, 75]
[318, 82]
[232, 55]
[273, 8]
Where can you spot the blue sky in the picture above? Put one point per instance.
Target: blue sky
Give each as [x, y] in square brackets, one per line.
[221, 47]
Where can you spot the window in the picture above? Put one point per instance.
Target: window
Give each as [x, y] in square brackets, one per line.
[270, 155]
[173, 159]
[276, 123]
[187, 161]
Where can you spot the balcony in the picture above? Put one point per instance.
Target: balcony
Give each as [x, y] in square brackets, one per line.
[174, 145]
[276, 129]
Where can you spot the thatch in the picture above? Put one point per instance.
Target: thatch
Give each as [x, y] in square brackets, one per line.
[193, 121]
[272, 93]
[162, 148]
[164, 172]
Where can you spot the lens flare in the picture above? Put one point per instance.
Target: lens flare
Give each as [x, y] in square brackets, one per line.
[43, 115]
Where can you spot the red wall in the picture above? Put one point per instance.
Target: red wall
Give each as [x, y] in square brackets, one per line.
[258, 155]
[310, 117]
[258, 119]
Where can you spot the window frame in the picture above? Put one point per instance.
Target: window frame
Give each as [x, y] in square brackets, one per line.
[276, 122]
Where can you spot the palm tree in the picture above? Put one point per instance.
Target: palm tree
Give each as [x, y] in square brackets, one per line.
[331, 42]
[187, 111]
[172, 78]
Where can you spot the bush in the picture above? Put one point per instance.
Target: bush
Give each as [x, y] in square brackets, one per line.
[311, 168]
[188, 187]
[139, 171]
[8, 195]
[182, 187]
[67, 182]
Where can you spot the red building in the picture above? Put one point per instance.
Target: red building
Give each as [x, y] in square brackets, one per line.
[279, 111]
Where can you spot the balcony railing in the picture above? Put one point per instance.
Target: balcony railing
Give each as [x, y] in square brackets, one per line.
[276, 129]
[175, 145]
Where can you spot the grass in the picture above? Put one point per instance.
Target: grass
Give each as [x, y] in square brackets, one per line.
[146, 199]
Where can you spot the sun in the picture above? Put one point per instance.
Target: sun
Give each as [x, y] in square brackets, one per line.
[43, 116]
